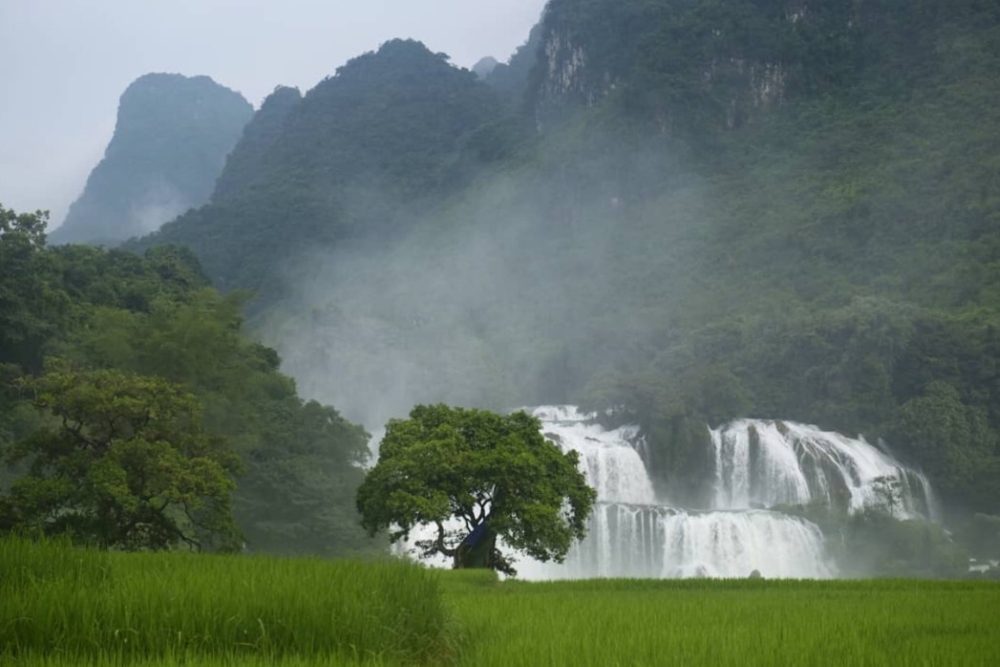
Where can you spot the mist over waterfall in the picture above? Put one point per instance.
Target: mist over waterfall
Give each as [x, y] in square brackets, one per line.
[759, 465]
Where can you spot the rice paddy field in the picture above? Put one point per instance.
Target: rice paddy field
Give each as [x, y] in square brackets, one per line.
[62, 607]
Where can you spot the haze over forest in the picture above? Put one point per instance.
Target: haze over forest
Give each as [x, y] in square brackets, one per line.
[713, 222]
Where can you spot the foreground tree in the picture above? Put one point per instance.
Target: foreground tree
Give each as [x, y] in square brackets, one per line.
[123, 463]
[497, 475]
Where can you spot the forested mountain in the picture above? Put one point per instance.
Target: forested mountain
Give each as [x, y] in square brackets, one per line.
[359, 156]
[512, 77]
[248, 159]
[170, 143]
[695, 211]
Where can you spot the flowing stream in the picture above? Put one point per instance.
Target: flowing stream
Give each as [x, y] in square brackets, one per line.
[759, 465]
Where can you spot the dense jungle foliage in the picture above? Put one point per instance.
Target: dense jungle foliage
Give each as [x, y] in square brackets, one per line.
[135, 413]
[846, 240]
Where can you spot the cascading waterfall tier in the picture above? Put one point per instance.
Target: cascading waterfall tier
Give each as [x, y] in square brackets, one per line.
[770, 463]
[759, 465]
[665, 543]
[612, 465]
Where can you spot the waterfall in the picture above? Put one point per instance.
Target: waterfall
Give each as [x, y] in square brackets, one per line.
[759, 464]
[665, 543]
[612, 465]
[769, 463]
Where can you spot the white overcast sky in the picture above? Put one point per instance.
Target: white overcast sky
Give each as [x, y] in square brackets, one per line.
[64, 64]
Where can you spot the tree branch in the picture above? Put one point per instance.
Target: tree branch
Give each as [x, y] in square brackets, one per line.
[439, 543]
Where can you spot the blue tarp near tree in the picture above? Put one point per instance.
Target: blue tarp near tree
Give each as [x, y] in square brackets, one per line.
[473, 539]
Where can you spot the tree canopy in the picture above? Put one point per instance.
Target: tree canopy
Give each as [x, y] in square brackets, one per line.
[494, 475]
[124, 463]
[139, 334]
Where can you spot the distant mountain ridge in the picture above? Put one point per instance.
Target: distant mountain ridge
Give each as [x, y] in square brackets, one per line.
[170, 143]
[352, 158]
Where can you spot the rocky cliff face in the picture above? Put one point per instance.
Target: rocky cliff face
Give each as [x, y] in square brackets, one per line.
[674, 59]
[170, 143]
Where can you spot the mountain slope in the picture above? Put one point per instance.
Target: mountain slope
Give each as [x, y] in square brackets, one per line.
[703, 210]
[259, 136]
[354, 158]
[170, 143]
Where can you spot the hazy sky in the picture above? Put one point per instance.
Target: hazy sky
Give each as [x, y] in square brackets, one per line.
[64, 63]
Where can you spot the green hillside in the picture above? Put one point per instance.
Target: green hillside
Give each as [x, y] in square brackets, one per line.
[359, 156]
[699, 210]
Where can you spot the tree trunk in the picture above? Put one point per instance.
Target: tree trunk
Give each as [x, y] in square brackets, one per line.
[476, 551]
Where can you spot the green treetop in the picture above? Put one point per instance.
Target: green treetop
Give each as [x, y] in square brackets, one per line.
[123, 464]
[495, 474]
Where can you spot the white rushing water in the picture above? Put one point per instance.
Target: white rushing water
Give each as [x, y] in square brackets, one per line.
[759, 464]
[767, 463]
[658, 542]
[612, 465]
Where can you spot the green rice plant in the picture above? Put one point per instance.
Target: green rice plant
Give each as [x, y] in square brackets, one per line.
[26, 562]
[186, 660]
[61, 607]
[149, 605]
[739, 623]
